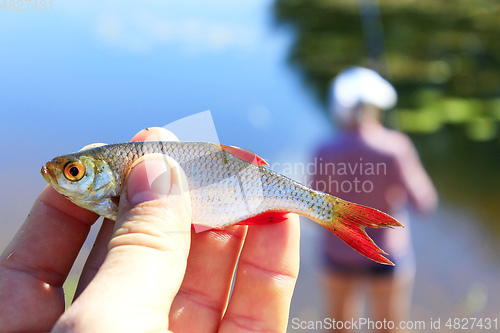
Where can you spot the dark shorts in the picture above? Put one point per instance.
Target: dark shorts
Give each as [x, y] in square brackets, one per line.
[368, 269]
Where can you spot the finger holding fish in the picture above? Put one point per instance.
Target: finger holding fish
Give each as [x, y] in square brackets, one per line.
[140, 274]
[267, 272]
[100, 248]
[143, 269]
[267, 268]
[204, 293]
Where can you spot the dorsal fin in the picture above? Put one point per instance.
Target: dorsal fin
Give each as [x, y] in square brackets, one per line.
[244, 155]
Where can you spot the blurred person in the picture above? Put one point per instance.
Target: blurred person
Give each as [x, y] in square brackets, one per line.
[141, 278]
[371, 165]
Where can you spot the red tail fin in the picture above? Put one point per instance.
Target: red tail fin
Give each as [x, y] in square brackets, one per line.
[349, 223]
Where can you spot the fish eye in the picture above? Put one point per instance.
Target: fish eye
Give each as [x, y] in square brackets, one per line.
[74, 171]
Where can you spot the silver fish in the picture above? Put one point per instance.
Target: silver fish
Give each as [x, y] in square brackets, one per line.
[227, 186]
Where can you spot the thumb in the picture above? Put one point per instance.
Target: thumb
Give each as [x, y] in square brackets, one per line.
[146, 262]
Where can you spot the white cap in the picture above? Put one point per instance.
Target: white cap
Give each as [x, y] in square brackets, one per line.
[358, 85]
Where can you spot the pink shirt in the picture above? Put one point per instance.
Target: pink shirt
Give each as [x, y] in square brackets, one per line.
[375, 167]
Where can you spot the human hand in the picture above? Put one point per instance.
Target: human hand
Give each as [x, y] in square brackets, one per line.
[140, 278]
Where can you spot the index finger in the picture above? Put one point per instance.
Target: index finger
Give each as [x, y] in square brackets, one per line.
[37, 261]
[50, 238]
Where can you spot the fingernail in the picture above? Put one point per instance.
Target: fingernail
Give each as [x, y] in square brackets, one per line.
[150, 179]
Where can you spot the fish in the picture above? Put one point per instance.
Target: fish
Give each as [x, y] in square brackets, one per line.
[227, 186]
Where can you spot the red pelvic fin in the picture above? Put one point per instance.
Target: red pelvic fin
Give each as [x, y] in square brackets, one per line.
[200, 227]
[349, 224]
[265, 218]
[244, 155]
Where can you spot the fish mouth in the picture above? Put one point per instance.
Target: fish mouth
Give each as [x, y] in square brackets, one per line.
[48, 173]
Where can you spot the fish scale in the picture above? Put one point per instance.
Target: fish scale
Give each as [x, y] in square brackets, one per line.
[227, 186]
